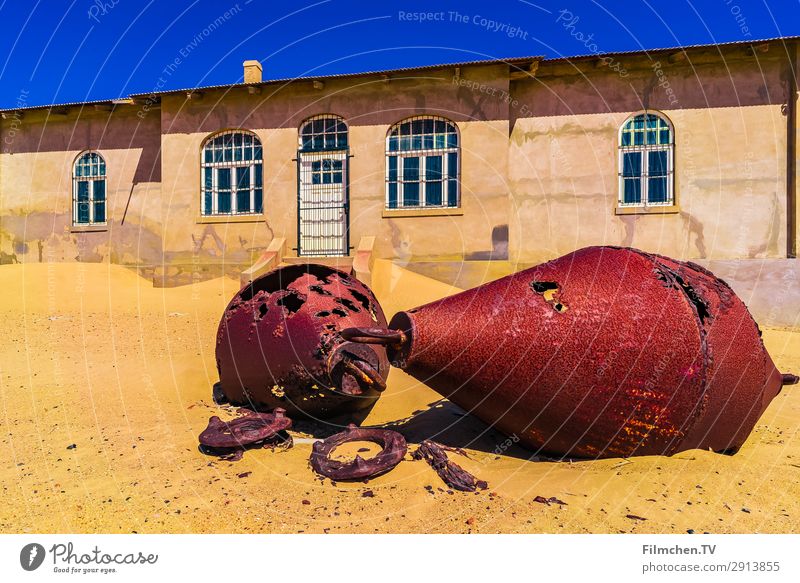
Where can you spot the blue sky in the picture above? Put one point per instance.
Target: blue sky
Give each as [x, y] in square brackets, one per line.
[56, 51]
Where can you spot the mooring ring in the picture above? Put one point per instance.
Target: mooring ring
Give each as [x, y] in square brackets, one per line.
[394, 450]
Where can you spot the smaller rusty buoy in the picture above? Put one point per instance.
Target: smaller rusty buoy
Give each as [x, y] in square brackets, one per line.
[278, 344]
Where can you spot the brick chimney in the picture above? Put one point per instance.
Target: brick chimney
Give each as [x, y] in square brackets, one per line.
[252, 72]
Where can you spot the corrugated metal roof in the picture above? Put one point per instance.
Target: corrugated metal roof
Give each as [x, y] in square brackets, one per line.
[672, 49]
[509, 61]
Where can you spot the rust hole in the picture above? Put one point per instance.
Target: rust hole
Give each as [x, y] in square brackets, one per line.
[361, 298]
[347, 304]
[262, 311]
[549, 290]
[339, 312]
[673, 279]
[292, 302]
[322, 314]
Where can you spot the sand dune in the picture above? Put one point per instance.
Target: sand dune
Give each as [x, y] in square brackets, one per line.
[105, 384]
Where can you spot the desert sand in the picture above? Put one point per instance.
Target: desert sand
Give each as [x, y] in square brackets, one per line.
[105, 383]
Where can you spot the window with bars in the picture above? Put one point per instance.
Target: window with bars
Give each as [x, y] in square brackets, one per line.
[646, 151]
[232, 174]
[89, 190]
[422, 164]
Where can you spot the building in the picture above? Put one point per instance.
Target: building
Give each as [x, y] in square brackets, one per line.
[689, 152]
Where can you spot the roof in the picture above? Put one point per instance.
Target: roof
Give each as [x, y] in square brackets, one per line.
[512, 61]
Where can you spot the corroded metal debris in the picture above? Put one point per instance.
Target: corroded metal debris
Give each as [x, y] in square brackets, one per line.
[604, 352]
[453, 475]
[394, 449]
[229, 439]
[278, 343]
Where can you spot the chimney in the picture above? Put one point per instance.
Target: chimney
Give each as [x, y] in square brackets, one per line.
[252, 72]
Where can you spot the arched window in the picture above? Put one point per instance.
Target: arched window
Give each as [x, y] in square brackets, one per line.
[89, 190]
[323, 133]
[422, 163]
[232, 174]
[646, 144]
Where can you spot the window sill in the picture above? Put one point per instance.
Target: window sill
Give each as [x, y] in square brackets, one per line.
[89, 228]
[422, 212]
[647, 210]
[230, 219]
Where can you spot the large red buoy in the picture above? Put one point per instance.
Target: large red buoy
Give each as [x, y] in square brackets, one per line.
[603, 352]
[278, 344]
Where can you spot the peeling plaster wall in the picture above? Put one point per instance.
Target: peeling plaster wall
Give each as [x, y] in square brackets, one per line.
[36, 165]
[730, 163]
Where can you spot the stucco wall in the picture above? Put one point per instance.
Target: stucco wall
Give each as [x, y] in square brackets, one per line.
[36, 164]
[730, 162]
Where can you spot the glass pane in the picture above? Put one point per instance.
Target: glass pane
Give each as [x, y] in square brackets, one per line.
[651, 137]
[224, 178]
[452, 165]
[243, 178]
[100, 212]
[657, 189]
[626, 138]
[207, 202]
[207, 154]
[433, 193]
[411, 194]
[632, 193]
[83, 212]
[392, 203]
[392, 143]
[632, 164]
[452, 193]
[83, 191]
[392, 168]
[99, 190]
[217, 155]
[257, 151]
[207, 178]
[224, 202]
[411, 169]
[452, 140]
[258, 197]
[657, 163]
[258, 170]
[663, 137]
[337, 177]
[638, 138]
[433, 167]
[242, 201]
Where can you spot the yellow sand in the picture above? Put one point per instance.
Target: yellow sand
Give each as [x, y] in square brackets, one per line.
[95, 356]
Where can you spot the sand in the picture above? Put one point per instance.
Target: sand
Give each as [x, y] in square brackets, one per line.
[105, 383]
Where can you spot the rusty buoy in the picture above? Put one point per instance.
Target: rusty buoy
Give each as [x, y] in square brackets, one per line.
[278, 343]
[602, 352]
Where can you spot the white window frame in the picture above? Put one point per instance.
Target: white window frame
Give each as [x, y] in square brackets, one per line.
[644, 150]
[91, 180]
[422, 155]
[235, 167]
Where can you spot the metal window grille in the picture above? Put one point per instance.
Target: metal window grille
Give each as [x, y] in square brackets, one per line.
[646, 167]
[89, 190]
[322, 190]
[422, 164]
[232, 174]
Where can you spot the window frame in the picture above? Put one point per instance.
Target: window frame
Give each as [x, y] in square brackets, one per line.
[91, 180]
[422, 154]
[643, 177]
[235, 166]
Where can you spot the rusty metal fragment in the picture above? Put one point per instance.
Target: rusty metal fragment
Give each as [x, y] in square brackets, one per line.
[278, 344]
[394, 449]
[453, 475]
[229, 439]
[603, 352]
